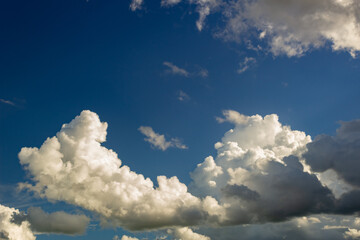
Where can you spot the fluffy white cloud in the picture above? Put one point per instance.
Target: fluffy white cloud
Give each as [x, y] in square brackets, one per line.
[186, 233]
[124, 237]
[136, 5]
[173, 69]
[75, 168]
[159, 141]
[293, 27]
[10, 230]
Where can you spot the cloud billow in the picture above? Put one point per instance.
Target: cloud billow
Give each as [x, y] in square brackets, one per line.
[259, 175]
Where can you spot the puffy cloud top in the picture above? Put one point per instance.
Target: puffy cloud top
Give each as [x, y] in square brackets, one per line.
[74, 167]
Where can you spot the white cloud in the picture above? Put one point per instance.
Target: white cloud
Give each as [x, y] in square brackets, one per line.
[175, 69]
[352, 233]
[159, 141]
[288, 28]
[235, 117]
[246, 64]
[183, 96]
[10, 230]
[204, 8]
[186, 233]
[124, 237]
[75, 168]
[136, 5]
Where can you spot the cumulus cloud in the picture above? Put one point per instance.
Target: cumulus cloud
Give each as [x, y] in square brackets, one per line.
[158, 141]
[136, 5]
[75, 168]
[288, 28]
[258, 172]
[186, 233]
[124, 237]
[10, 230]
[259, 175]
[173, 69]
[246, 64]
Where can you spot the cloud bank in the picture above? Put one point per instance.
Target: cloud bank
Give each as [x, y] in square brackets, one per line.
[263, 173]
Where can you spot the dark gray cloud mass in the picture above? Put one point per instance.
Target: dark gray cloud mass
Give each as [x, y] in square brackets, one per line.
[4, 236]
[57, 222]
[340, 153]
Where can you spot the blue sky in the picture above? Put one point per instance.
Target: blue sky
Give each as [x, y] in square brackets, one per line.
[153, 67]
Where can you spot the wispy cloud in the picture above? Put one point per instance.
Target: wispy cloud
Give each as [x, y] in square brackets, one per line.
[203, 73]
[168, 3]
[158, 140]
[183, 96]
[136, 5]
[8, 102]
[173, 69]
[246, 64]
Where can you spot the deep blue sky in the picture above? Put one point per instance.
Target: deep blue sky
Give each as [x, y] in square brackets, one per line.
[59, 57]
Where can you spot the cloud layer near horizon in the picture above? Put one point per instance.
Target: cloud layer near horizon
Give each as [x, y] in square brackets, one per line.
[259, 175]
